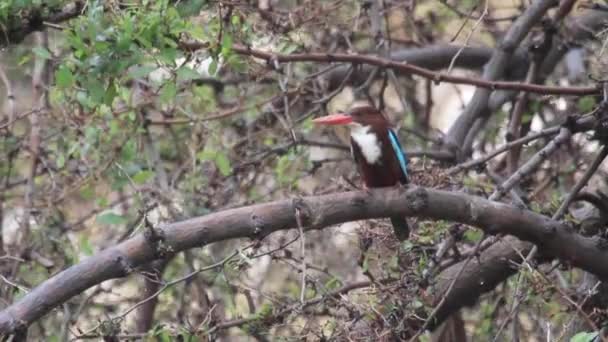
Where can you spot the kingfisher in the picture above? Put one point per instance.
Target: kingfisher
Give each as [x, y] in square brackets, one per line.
[375, 147]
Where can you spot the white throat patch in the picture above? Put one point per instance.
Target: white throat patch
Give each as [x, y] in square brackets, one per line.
[367, 141]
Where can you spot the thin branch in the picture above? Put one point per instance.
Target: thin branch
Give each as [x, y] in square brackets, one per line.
[405, 67]
[302, 254]
[532, 164]
[581, 183]
[583, 124]
[521, 141]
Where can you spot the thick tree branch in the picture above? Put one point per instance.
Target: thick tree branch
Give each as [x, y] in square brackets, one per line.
[554, 238]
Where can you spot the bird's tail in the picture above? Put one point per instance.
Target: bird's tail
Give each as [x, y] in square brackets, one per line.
[401, 228]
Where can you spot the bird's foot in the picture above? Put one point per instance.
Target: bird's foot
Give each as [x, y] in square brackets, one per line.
[368, 191]
[350, 183]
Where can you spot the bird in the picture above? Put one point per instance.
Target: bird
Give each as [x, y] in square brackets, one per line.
[375, 147]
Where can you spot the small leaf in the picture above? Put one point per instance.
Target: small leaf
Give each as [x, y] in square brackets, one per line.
[141, 71]
[223, 164]
[110, 218]
[142, 176]
[586, 103]
[24, 59]
[236, 20]
[87, 192]
[185, 74]
[584, 337]
[212, 69]
[206, 155]
[168, 92]
[473, 235]
[61, 161]
[64, 77]
[226, 44]
[42, 52]
[85, 246]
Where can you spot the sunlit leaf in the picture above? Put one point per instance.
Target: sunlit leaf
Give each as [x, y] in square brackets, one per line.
[141, 71]
[168, 92]
[85, 245]
[142, 176]
[584, 337]
[186, 73]
[586, 103]
[110, 218]
[64, 77]
[41, 52]
[223, 164]
[60, 160]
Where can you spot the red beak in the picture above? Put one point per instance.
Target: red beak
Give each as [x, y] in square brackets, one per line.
[334, 119]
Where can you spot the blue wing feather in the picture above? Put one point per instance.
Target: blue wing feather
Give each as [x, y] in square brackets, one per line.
[401, 156]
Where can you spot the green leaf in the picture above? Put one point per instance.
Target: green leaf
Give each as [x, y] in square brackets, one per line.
[186, 73]
[221, 160]
[168, 93]
[142, 176]
[226, 44]
[212, 69]
[110, 218]
[85, 245]
[64, 77]
[223, 164]
[333, 283]
[236, 20]
[24, 59]
[189, 8]
[140, 71]
[61, 161]
[584, 337]
[206, 155]
[87, 192]
[586, 103]
[41, 52]
[472, 235]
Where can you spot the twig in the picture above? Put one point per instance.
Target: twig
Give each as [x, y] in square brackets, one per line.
[429, 319]
[10, 98]
[468, 38]
[514, 129]
[302, 254]
[188, 276]
[299, 306]
[223, 114]
[437, 77]
[503, 148]
[581, 183]
[531, 164]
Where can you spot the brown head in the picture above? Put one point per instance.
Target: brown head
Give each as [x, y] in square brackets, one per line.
[365, 115]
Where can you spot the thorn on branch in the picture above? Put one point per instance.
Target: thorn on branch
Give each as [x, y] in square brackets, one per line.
[303, 211]
[125, 265]
[156, 238]
[258, 226]
[570, 122]
[417, 200]
[480, 168]
[602, 244]
[109, 329]
[152, 234]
